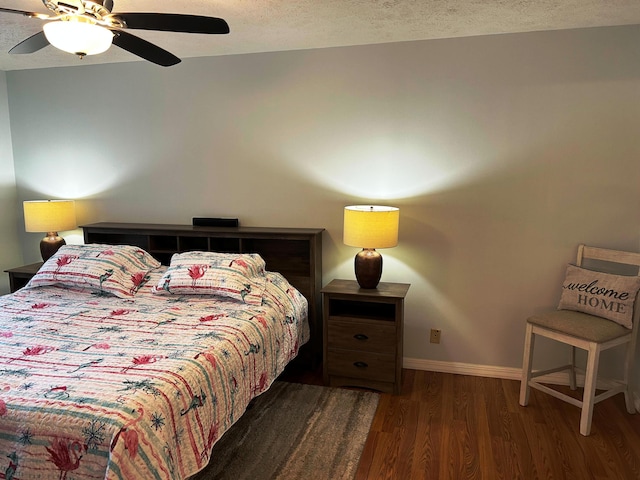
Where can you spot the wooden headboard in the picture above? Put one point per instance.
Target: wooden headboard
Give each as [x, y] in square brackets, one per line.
[294, 252]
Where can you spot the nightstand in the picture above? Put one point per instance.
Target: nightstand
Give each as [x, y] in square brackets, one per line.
[363, 335]
[20, 276]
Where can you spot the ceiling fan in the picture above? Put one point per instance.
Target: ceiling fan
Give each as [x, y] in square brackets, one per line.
[87, 27]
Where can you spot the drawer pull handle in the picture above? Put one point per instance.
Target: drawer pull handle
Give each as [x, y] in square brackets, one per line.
[360, 364]
[360, 336]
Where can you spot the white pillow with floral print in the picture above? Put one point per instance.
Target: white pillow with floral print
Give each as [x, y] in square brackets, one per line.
[240, 277]
[116, 269]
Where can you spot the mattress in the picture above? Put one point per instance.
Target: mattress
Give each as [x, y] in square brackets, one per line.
[93, 386]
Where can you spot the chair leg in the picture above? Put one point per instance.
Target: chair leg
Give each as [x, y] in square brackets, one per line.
[589, 389]
[628, 370]
[572, 371]
[628, 400]
[529, 340]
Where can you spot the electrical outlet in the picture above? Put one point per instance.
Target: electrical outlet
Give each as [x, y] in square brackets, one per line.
[435, 335]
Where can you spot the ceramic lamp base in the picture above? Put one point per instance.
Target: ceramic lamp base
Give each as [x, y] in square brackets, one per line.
[50, 245]
[368, 266]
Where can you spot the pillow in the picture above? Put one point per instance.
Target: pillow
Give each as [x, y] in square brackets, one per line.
[237, 276]
[117, 269]
[600, 294]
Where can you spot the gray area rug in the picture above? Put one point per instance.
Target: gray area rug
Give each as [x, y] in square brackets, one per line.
[295, 431]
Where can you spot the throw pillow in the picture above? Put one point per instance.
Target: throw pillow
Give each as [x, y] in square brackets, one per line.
[601, 294]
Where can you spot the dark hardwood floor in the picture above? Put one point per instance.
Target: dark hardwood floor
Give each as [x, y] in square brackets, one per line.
[456, 427]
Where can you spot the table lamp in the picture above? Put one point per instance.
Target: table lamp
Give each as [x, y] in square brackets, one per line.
[50, 216]
[370, 227]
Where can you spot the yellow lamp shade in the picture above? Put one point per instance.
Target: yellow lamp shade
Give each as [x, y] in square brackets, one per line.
[49, 215]
[371, 226]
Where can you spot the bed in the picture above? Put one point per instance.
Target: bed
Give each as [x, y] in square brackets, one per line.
[134, 369]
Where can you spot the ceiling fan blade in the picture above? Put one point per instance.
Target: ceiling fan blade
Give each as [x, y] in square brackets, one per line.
[174, 22]
[144, 49]
[26, 14]
[31, 44]
[20, 12]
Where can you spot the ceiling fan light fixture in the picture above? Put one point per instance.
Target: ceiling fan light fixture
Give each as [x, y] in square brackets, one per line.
[78, 37]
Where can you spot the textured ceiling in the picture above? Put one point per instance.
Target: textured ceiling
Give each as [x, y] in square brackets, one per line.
[275, 25]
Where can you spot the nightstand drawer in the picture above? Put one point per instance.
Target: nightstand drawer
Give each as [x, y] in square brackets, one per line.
[370, 335]
[354, 364]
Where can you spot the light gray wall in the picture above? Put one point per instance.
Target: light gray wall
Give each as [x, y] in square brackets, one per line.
[10, 252]
[502, 152]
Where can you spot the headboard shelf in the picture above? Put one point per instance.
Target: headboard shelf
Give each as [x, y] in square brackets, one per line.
[294, 252]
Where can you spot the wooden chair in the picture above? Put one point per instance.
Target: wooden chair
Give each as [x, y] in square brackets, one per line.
[588, 332]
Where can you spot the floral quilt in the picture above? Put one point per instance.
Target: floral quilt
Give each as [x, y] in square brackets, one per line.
[97, 387]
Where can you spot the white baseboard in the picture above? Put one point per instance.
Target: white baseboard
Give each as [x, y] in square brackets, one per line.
[462, 368]
[557, 378]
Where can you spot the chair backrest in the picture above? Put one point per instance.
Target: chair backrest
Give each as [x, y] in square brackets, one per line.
[616, 257]
[606, 255]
